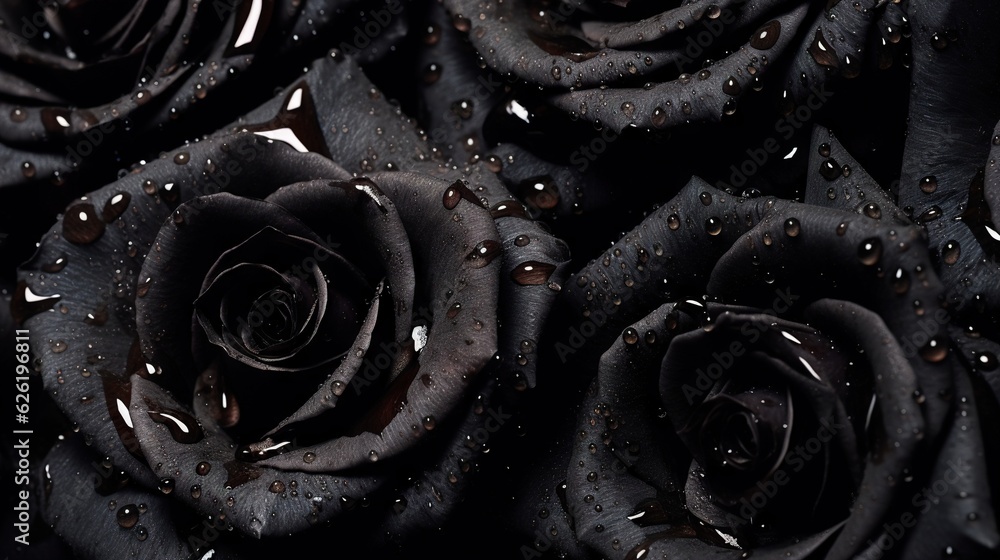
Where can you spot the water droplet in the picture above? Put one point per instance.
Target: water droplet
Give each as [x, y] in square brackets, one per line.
[705, 198]
[250, 27]
[532, 273]
[986, 361]
[713, 226]
[630, 336]
[166, 485]
[939, 41]
[485, 251]
[81, 224]
[429, 423]
[766, 36]
[673, 222]
[628, 109]
[461, 23]
[659, 117]
[732, 87]
[935, 350]
[28, 170]
[181, 425]
[308, 457]
[203, 468]
[463, 109]
[522, 240]
[540, 192]
[182, 158]
[432, 73]
[56, 120]
[141, 533]
[870, 251]
[829, 169]
[931, 214]
[18, 115]
[508, 208]
[901, 281]
[128, 516]
[873, 211]
[432, 34]
[928, 184]
[277, 487]
[115, 206]
[792, 227]
[399, 505]
[56, 265]
[951, 252]
[348, 503]
[822, 52]
[337, 387]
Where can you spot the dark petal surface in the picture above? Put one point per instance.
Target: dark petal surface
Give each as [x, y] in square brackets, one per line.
[606, 63]
[130, 522]
[953, 112]
[757, 250]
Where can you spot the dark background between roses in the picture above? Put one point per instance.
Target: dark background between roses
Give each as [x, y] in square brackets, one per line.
[923, 112]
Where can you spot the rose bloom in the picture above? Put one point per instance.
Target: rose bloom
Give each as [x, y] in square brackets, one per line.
[776, 379]
[253, 342]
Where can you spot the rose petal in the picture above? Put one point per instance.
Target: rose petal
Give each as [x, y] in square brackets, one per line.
[131, 522]
[856, 192]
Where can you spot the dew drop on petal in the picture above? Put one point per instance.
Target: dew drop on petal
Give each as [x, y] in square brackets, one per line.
[630, 336]
[928, 184]
[713, 226]
[128, 516]
[792, 227]
[951, 252]
[870, 251]
[81, 224]
[935, 350]
[766, 36]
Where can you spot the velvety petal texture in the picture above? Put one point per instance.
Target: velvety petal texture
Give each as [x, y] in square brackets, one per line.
[518, 279]
[748, 400]
[245, 327]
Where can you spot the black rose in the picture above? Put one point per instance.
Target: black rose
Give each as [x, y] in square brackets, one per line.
[777, 379]
[273, 343]
[649, 65]
[90, 88]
